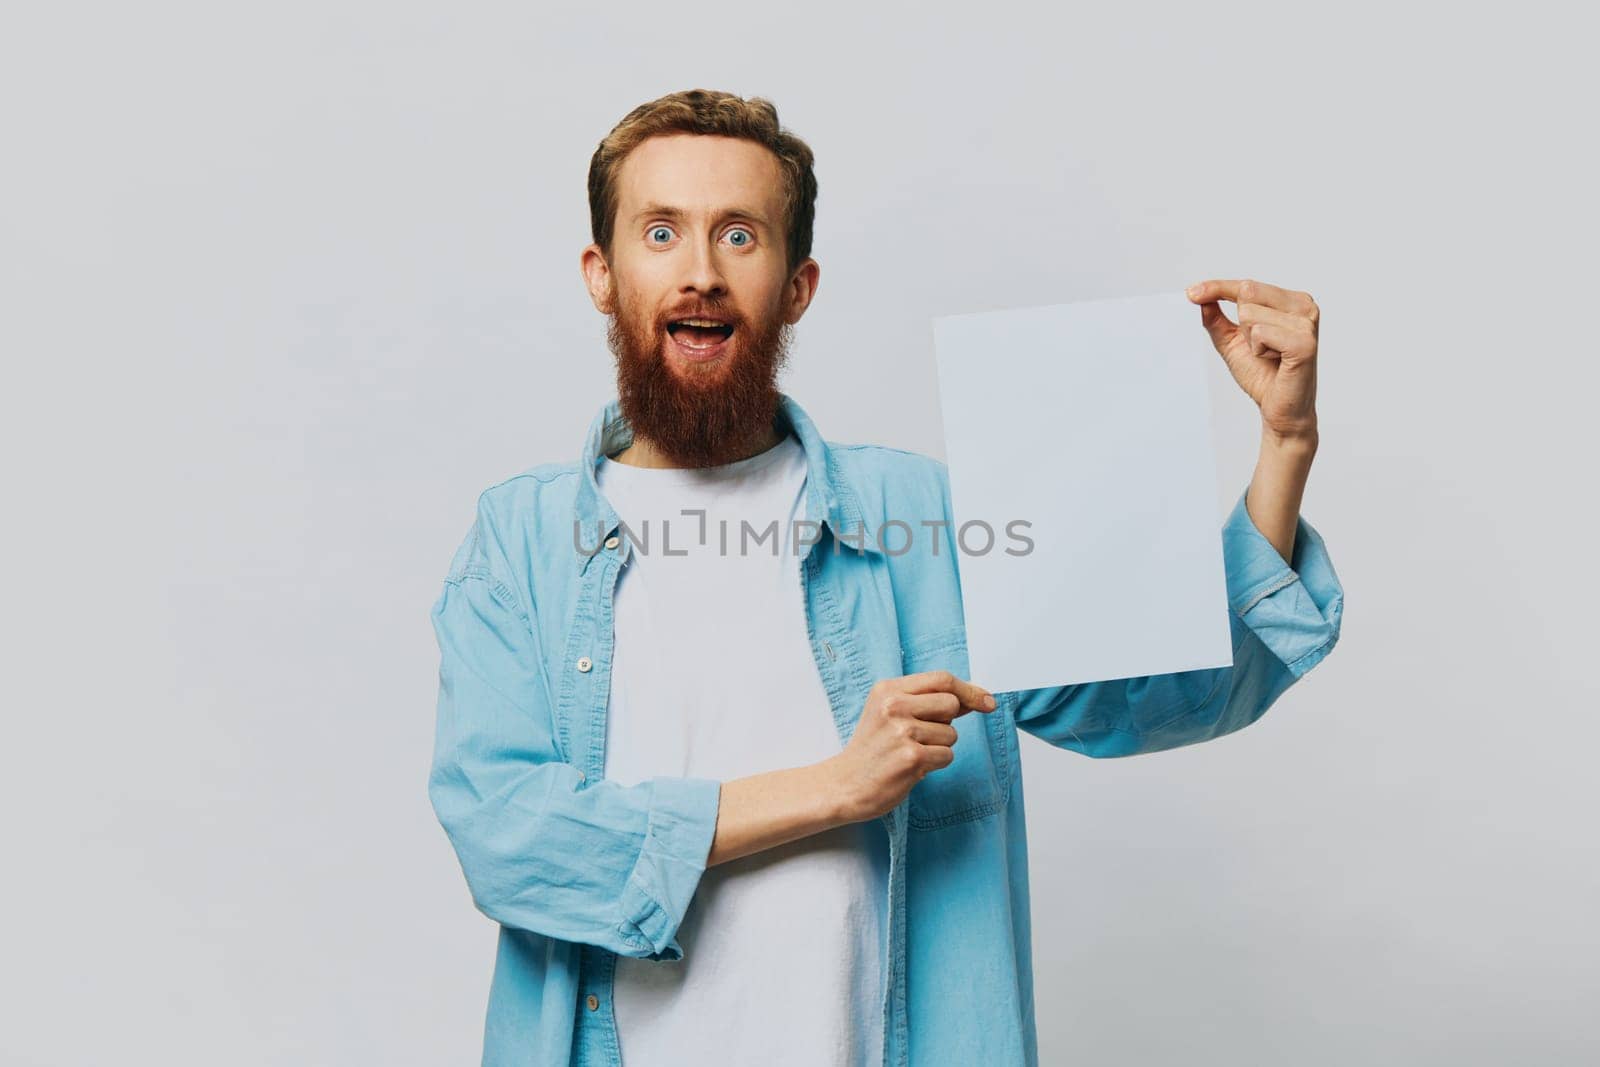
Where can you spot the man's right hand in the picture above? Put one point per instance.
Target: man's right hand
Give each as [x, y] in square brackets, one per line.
[903, 734]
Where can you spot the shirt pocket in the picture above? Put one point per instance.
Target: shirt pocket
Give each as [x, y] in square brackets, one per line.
[978, 782]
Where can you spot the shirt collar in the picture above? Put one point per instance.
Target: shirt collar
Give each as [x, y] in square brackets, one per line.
[829, 498]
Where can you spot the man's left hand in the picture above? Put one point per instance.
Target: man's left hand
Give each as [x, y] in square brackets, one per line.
[1271, 352]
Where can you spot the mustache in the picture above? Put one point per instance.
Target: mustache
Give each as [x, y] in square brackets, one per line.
[721, 312]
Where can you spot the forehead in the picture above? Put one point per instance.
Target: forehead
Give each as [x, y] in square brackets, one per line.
[700, 173]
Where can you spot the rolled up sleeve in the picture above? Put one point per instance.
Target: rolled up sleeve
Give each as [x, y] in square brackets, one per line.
[541, 848]
[1293, 608]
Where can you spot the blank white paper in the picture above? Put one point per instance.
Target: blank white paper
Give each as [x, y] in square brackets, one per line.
[1091, 423]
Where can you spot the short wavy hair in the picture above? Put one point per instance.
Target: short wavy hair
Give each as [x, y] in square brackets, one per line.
[706, 111]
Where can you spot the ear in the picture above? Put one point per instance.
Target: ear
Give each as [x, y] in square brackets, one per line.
[802, 287]
[597, 278]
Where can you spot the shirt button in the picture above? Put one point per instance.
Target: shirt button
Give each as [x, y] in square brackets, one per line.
[613, 542]
[593, 1002]
[584, 664]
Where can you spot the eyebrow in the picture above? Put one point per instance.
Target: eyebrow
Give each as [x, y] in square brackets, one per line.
[667, 212]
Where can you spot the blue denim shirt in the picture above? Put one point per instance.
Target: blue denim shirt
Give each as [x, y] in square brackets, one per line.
[578, 870]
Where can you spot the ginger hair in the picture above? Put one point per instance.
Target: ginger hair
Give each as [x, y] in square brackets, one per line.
[706, 111]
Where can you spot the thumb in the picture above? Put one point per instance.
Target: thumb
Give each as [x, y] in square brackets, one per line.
[1218, 325]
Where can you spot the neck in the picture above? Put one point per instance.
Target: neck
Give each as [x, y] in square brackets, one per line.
[642, 453]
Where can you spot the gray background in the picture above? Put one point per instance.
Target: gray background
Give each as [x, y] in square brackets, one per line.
[282, 287]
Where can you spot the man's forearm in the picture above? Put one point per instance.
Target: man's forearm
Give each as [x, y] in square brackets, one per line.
[1276, 488]
[763, 811]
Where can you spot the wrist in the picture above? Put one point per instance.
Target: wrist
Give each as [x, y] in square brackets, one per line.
[834, 805]
[1299, 443]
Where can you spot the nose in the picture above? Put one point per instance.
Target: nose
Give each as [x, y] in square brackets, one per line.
[704, 273]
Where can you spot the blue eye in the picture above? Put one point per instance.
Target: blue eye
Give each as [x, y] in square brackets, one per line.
[741, 244]
[659, 229]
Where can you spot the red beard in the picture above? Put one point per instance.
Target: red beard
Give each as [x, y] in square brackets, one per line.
[699, 415]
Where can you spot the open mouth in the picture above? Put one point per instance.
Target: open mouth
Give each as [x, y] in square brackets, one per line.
[700, 338]
[699, 333]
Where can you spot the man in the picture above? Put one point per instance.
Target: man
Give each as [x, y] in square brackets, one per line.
[735, 804]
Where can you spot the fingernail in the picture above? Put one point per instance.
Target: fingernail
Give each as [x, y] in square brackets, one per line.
[989, 701]
[1193, 290]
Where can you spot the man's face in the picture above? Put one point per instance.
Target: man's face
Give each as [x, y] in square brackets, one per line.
[699, 235]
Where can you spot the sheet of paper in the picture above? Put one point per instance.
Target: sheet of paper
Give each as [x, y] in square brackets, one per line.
[1091, 423]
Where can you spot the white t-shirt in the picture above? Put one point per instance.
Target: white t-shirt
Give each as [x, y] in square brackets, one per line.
[713, 676]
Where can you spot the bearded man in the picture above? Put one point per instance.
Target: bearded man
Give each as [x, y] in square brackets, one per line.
[706, 750]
